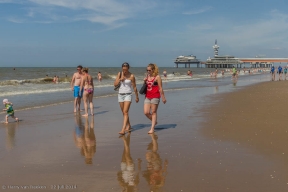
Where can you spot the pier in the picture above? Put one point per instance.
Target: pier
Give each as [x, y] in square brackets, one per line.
[187, 61]
[228, 61]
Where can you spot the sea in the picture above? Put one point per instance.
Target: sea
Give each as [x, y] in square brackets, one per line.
[29, 88]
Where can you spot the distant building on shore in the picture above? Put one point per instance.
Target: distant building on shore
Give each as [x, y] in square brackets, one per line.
[226, 61]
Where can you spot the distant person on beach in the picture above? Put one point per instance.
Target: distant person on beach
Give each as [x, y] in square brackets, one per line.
[127, 85]
[216, 73]
[75, 86]
[57, 79]
[222, 72]
[189, 73]
[99, 76]
[234, 72]
[272, 71]
[54, 79]
[280, 72]
[165, 74]
[285, 72]
[9, 109]
[153, 94]
[88, 86]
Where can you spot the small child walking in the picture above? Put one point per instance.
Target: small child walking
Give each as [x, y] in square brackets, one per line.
[10, 112]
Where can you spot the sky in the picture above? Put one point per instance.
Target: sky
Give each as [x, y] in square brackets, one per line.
[99, 33]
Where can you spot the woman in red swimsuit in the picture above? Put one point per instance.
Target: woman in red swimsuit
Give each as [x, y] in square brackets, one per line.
[153, 94]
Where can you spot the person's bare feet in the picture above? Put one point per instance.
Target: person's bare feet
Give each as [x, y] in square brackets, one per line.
[128, 128]
[17, 120]
[85, 115]
[6, 122]
[92, 114]
[122, 132]
[151, 131]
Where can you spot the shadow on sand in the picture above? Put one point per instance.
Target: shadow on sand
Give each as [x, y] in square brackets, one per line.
[101, 112]
[157, 127]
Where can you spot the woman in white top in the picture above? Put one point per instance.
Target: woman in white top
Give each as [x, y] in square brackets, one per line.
[128, 82]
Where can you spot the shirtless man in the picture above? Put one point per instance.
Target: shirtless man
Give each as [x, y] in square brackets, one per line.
[75, 86]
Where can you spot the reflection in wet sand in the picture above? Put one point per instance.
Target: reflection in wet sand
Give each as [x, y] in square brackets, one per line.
[156, 173]
[10, 135]
[84, 137]
[128, 178]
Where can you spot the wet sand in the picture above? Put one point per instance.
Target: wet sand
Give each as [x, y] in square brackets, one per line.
[191, 150]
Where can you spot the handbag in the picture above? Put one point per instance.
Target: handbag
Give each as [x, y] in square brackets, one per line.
[116, 88]
[143, 89]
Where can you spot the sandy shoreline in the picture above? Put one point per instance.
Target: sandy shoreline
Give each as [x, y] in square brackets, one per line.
[184, 154]
[253, 119]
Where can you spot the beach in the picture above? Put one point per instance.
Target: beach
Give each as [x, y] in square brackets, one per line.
[215, 136]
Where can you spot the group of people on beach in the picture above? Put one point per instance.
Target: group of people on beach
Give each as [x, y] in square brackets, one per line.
[83, 87]
[279, 71]
[165, 74]
[235, 73]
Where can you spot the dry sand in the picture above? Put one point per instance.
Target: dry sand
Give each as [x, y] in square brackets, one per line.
[254, 122]
[191, 150]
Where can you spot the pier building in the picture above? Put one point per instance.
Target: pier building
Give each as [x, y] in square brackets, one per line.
[187, 61]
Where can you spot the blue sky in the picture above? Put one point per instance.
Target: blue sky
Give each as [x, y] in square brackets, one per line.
[108, 32]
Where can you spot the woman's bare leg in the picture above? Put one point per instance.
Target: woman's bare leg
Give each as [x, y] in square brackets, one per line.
[121, 104]
[91, 104]
[154, 108]
[85, 99]
[125, 111]
[147, 111]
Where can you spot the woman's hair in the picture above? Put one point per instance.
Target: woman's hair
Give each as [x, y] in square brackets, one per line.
[154, 68]
[125, 64]
[85, 69]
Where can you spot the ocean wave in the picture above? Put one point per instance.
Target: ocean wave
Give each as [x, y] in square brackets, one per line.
[29, 92]
[33, 81]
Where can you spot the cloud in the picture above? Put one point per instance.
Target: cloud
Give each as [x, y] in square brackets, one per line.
[266, 32]
[111, 13]
[195, 12]
[15, 20]
[30, 14]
